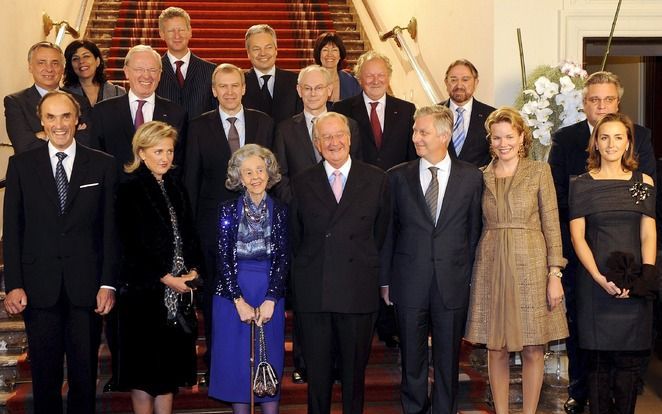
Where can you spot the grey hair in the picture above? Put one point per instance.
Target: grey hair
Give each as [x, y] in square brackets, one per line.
[327, 115]
[261, 28]
[233, 182]
[142, 48]
[442, 117]
[367, 57]
[314, 68]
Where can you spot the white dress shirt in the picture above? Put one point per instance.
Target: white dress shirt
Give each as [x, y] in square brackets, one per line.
[186, 59]
[148, 106]
[272, 79]
[240, 124]
[344, 171]
[67, 163]
[443, 172]
[381, 108]
[466, 115]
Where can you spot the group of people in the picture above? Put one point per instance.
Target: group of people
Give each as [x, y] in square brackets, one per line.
[209, 186]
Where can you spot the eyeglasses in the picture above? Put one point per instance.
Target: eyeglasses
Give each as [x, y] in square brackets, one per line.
[317, 89]
[338, 136]
[142, 71]
[608, 100]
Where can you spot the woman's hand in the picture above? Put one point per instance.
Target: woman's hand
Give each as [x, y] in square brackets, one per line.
[246, 312]
[265, 312]
[554, 291]
[611, 288]
[178, 284]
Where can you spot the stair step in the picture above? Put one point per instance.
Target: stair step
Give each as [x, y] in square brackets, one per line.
[107, 27]
[193, 7]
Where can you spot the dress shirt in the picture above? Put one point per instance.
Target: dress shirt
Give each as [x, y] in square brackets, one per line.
[381, 108]
[240, 124]
[443, 172]
[309, 121]
[148, 107]
[186, 59]
[344, 171]
[466, 115]
[272, 79]
[43, 91]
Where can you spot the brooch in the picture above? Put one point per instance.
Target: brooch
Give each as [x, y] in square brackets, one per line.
[639, 192]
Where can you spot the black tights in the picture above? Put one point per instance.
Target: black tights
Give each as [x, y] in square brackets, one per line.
[612, 380]
[270, 407]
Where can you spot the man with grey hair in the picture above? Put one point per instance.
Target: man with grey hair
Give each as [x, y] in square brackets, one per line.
[46, 64]
[115, 120]
[427, 260]
[602, 95]
[268, 88]
[186, 78]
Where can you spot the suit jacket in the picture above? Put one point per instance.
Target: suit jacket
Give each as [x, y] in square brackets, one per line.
[476, 147]
[23, 123]
[397, 146]
[196, 96]
[207, 156]
[107, 90]
[113, 128]
[286, 100]
[293, 148]
[45, 251]
[416, 251]
[335, 246]
[349, 86]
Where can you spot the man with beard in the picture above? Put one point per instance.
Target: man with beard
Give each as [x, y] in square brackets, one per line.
[469, 143]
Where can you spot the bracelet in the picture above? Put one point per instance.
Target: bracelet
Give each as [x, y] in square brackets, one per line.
[237, 299]
[556, 273]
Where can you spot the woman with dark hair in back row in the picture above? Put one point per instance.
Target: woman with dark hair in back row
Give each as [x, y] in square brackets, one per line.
[330, 52]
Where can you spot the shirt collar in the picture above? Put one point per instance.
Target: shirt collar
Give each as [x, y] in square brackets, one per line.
[239, 115]
[467, 106]
[381, 100]
[70, 150]
[309, 117]
[134, 98]
[271, 72]
[444, 165]
[186, 58]
[43, 91]
[344, 170]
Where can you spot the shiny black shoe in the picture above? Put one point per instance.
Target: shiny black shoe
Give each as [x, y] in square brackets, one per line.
[110, 386]
[572, 406]
[298, 376]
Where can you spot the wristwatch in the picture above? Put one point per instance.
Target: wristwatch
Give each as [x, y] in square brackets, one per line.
[556, 273]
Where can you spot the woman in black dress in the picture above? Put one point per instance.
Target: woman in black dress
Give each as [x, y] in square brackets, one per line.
[160, 255]
[612, 210]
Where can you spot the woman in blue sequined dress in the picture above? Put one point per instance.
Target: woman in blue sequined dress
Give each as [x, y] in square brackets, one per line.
[252, 270]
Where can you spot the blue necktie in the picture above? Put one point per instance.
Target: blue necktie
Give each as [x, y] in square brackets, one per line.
[458, 131]
[61, 180]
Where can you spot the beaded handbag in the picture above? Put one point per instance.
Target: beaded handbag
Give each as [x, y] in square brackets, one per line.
[265, 382]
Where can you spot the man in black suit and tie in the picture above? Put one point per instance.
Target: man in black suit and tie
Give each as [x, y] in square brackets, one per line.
[61, 255]
[339, 215]
[602, 95]
[469, 141]
[268, 88]
[427, 259]
[293, 142]
[115, 120]
[212, 138]
[186, 79]
[46, 64]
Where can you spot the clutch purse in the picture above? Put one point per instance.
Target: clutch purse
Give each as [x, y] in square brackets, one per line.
[265, 381]
[186, 319]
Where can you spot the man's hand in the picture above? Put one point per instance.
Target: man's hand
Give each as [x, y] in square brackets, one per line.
[16, 301]
[384, 293]
[105, 301]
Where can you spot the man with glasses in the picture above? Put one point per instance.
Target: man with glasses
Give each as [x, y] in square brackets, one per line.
[186, 79]
[46, 64]
[468, 142]
[115, 120]
[602, 95]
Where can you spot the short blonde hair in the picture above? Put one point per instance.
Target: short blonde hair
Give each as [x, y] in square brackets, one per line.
[228, 68]
[172, 12]
[233, 182]
[367, 57]
[599, 78]
[442, 117]
[148, 135]
[510, 116]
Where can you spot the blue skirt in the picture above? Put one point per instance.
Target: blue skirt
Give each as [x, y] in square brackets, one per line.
[230, 355]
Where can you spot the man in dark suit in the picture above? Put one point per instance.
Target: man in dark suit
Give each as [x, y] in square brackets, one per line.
[46, 64]
[61, 255]
[212, 138]
[293, 142]
[339, 215]
[268, 88]
[602, 94]
[469, 141]
[385, 122]
[115, 120]
[427, 259]
[186, 79]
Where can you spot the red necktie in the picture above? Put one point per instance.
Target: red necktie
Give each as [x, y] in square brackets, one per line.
[376, 126]
[178, 72]
[139, 119]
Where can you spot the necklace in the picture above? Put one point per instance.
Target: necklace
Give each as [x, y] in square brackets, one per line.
[255, 215]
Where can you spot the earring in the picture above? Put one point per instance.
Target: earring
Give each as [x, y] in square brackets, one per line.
[493, 153]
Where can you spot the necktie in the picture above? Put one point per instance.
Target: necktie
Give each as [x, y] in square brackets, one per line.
[432, 194]
[336, 185]
[376, 126]
[233, 135]
[458, 130]
[178, 72]
[140, 119]
[318, 157]
[61, 180]
[266, 96]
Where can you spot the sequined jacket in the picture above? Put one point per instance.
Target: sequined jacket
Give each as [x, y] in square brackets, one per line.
[228, 227]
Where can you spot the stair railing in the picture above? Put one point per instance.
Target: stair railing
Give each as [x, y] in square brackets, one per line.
[64, 27]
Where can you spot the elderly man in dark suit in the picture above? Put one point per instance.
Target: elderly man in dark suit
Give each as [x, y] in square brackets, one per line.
[427, 260]
[268, 88]
[469, 142]
[385, 122]
[115, 120]
[186, 79]
[212, 139]
[61, 255]
[339, 215]
[46, 64]
[602, 95]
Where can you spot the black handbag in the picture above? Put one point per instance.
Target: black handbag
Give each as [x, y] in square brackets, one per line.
[186, 318]
[265, 381]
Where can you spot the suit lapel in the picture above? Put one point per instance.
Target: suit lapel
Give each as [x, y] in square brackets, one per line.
[250, 125]
[160, 113]
[216, 126]
[451, 146]
[353, 188]
[360, 115]
[302, 137]
[522, 171]
[390, 118]
[44, 171]
[124, 111]
[78, 174]
[321, 187]
[453, 188]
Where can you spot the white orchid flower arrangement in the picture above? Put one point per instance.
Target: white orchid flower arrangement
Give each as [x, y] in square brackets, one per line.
[551, 100]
